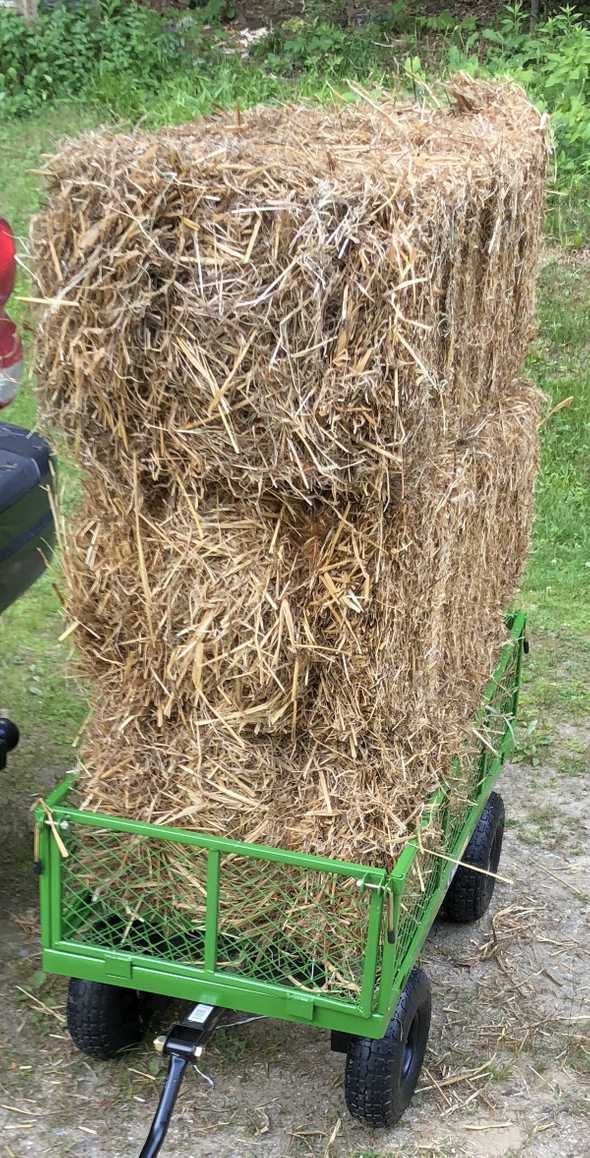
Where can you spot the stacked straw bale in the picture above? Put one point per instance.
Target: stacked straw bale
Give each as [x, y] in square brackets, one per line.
[287, 352]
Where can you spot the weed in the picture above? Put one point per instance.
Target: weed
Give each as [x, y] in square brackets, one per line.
[574, 765]
[549, 829]
[233, 1047]
[531, 744]
[578, 1057]
[501, 1071]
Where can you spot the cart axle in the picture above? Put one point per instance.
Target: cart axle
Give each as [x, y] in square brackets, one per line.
[183, 1044]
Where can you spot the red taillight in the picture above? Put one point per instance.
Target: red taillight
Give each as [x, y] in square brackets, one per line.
[11, 360]
[7, 261]
[11, 354]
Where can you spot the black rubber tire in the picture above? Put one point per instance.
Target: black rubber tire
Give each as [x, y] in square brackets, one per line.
[469, 894]
[102, 1019]
[381, 1075]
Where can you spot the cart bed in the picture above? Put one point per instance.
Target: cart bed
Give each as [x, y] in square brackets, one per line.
[367, 926]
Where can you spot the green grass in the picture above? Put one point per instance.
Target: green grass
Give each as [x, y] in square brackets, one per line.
[34, 688]
[574, 765]
[558, 577]
[551, 830]
[556, 590]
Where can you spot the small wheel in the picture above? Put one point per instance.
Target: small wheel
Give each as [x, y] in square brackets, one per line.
[469, 894]
[381, 1075]
[103, 1019]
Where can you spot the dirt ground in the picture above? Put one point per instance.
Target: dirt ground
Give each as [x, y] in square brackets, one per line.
[508, 1066]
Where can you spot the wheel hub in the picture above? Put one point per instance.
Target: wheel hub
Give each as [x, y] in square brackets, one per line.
[409, 1049]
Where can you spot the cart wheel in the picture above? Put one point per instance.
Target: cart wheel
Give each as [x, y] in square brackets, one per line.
[381, 1075]
[469, 894]
[103, 1019]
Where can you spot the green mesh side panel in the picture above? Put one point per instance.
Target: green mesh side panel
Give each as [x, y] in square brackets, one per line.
[123, 892]
[279, 923]
[420, 885]
[462, 789]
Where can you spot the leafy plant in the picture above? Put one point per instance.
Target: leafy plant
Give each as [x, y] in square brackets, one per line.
[531, 744]
[317, 46]
[553, 65]
[67, 50]
[217, 11]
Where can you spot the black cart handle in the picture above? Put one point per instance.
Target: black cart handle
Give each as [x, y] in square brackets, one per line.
[183, 1045]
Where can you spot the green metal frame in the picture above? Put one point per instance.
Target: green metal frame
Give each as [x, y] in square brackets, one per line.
[395, 931]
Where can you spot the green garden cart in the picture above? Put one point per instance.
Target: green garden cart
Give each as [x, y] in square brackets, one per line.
[363, 985]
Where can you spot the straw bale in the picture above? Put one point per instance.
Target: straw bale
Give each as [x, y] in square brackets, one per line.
[271, 675]
[292, 302]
